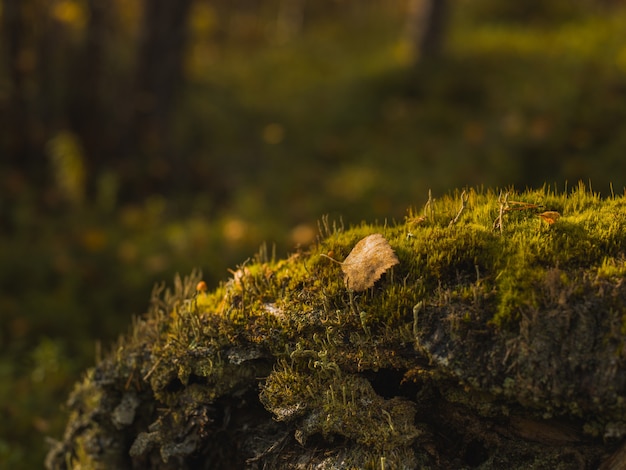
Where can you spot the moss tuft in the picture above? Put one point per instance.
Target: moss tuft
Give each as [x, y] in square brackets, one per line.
[496, 324]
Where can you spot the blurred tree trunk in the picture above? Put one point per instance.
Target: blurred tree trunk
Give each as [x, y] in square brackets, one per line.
[290, 19]
[426, 28]
[20, 62]
[86, 108]
[158, 79]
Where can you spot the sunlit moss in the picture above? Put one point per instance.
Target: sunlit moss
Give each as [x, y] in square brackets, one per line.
[491, 308]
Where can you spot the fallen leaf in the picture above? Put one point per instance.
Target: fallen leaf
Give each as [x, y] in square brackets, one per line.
[550, 217]
[367, 261]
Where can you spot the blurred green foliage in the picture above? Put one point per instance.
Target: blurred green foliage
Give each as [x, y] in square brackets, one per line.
[269, 133]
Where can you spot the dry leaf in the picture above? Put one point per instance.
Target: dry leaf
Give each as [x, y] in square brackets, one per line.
[550, 216]
[367, 261]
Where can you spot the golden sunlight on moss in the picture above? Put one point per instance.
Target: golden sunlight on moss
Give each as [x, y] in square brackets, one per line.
[491, 317]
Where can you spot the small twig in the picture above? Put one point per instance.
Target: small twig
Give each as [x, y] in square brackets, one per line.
[353, 305]
[464, 199]
[332, 259]
[276, 446]
[429, 206]
[520, 206]
[152, 369]
[504, 205]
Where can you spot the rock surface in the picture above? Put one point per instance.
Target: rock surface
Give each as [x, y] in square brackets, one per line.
[498, 341]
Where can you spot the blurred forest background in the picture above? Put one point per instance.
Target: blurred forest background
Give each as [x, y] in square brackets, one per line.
[143, 138]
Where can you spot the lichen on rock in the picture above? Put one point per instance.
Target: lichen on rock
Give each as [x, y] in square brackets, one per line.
[498, 340]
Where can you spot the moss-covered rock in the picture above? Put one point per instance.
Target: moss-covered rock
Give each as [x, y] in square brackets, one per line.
[497, 341]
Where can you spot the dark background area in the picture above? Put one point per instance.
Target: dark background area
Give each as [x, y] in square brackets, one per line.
[143, 138]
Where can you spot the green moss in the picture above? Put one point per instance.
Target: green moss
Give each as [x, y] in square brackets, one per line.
[491, 312]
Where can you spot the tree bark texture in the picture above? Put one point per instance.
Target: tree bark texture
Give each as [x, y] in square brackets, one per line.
[426, 27]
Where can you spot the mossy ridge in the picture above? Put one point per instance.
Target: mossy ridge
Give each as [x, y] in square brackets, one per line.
[501, 310]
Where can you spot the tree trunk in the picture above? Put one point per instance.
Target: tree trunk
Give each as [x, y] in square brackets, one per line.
[20, 62]
[290, 19]
[89, 116]
[426, 27]
[158, 79]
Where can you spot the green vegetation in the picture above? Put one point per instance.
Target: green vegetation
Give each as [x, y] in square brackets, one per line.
[272, 135]
[505, 311]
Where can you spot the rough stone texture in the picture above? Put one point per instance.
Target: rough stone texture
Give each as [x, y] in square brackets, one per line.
[490, 345]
